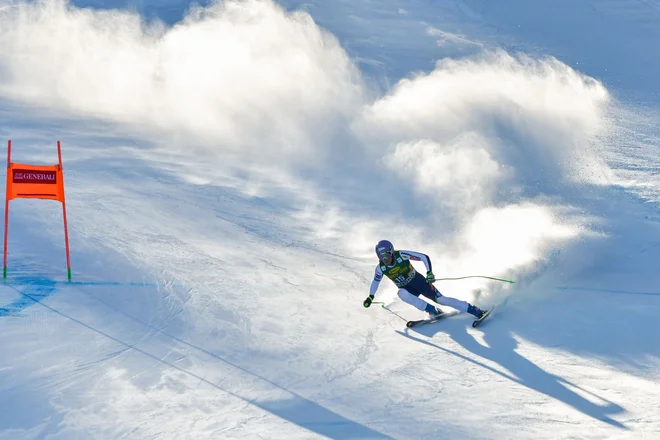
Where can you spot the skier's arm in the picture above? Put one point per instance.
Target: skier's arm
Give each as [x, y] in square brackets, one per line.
[374, 284]
[374, 287]
[418, 256]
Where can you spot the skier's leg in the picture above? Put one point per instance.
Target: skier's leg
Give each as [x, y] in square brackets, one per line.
[461, 306]
[415, 301]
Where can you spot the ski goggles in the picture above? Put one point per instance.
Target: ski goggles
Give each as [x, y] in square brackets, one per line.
[385, 254]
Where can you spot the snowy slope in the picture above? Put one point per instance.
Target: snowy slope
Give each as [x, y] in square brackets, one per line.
[228, 176]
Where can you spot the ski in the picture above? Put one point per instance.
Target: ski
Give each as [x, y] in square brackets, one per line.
[411, 324]
[477, 322]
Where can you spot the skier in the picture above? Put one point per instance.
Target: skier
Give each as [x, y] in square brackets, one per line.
[397, 267]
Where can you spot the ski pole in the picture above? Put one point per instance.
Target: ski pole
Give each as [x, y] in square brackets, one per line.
[382, 304]
[475, 276]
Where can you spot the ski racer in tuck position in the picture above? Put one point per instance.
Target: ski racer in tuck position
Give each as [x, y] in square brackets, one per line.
[397, 267]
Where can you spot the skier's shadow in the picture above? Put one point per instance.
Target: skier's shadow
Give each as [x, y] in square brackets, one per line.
[501, 349]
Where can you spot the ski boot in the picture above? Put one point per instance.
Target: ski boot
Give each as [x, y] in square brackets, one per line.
[433, 311]
[475, 311]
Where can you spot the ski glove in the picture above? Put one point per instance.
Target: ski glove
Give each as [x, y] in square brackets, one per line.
[430, 278]
[367, 302]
